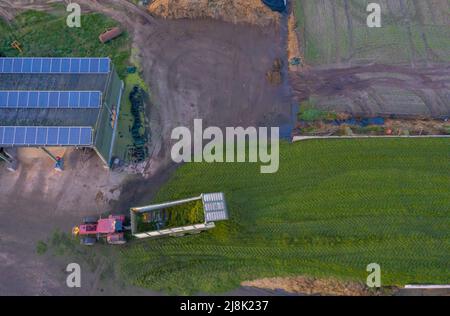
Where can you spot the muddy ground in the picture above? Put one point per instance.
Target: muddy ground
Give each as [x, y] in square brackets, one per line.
[35, 201]
[377, 90]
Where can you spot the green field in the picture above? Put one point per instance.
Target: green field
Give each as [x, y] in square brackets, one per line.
[124, 138]
[332, 208]
[325, 31]
[47, 35]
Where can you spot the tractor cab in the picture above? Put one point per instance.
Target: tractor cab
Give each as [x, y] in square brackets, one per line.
[94, 228]
[108, 225]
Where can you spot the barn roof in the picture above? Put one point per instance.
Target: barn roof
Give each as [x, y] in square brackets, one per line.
[58, 93]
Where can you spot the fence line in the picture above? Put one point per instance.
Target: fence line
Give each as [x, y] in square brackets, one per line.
[305, 138]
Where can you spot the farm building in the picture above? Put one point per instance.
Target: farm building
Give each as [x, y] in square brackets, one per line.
[178, 218]
[53, 103]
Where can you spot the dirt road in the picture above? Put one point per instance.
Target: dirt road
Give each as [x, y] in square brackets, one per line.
[378, 89]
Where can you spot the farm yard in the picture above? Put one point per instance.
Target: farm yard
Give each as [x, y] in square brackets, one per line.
[332, 208]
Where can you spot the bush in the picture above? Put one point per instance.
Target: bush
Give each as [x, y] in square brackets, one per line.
[370, 130]
[41, 247]
[309, 113]
[447, 130]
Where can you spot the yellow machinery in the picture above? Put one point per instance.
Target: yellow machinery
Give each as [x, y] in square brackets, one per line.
[17, 45]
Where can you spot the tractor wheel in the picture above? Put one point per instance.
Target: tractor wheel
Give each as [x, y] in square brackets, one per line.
[90, 220]
[88, 241]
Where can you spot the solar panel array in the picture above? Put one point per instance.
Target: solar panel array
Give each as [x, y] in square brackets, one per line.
[55, 65]
[45, 136]
[51, 99]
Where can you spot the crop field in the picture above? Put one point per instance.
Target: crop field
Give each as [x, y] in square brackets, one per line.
[332, 208]
[412, 32]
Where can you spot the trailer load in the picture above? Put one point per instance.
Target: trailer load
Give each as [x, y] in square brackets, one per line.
[178, 218]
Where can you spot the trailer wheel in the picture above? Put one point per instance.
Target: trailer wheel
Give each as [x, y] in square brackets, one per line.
[88, 241]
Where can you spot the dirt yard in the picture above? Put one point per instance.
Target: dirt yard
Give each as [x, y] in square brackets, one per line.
[377, 90]
[35, 201]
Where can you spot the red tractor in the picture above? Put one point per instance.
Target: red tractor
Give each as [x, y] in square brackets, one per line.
[93, 228]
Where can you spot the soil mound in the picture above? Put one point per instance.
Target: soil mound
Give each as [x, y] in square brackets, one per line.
[235, 11]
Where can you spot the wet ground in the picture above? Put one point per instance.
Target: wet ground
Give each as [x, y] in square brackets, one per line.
[377, 89]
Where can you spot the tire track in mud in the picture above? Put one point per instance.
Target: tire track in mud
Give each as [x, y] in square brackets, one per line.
[408, 26]
[349, 28]
[347, 82]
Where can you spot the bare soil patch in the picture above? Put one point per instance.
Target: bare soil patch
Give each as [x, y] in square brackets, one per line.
[377, 89]
[313, 286]
[235, 11]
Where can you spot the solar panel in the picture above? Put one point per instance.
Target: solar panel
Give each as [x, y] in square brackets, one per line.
[65, 65]
[51, 99]
[45, 136]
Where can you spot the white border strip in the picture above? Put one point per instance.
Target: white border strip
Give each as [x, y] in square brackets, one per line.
[427, 287]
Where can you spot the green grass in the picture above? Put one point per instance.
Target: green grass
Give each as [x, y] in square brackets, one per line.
[389, 44]
[332, 208]
[41, 247]
[309, 113]
[124, 138]
[47, 35]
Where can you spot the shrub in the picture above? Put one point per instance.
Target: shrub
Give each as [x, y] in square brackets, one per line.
[309, 113]
[41, 247]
